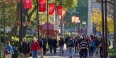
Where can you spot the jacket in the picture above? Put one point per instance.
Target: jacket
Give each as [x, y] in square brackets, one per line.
[24, 47]
[50, 41]
[35, 46]
[10, 49]
[54, 43]
[61, 42]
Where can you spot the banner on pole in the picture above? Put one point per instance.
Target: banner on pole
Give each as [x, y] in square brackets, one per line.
[51, 8]
[63, 13]
[27, 4]
[42, 5]
[59, 10]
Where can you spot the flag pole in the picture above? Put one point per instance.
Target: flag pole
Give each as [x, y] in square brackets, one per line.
[105, 29]
[103, 34]
[37, 17]
[55, 18]
[61, 18]
[47, 21]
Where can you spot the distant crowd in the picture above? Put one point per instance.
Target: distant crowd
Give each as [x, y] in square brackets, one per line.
[84, 45]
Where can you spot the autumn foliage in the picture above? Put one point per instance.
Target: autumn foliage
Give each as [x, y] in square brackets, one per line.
[96, 19]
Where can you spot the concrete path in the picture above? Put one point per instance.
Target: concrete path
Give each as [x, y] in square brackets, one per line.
[48, 55]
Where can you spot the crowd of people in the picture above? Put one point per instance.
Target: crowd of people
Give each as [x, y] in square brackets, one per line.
[84, 45]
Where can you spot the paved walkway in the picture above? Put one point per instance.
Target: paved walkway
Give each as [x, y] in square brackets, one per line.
[48, 55]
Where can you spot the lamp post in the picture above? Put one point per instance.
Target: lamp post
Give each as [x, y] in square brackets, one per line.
[84, 23]
[74, 23]
[106, 47]
[78, 27]
[47, 21]
[104, 26]
[61, 19]
[37, 18]
[114, 25]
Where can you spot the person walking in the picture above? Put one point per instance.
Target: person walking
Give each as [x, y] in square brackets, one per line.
[70, 47]
[101, 47]
[8, 50]
[97, 42]
[54, 45]
[61, 46]
[35, 48]
[78, 44]
[24, 48]
[91, 47]
[83, 46]
[75, 43]
[44, 43]
[50, 44]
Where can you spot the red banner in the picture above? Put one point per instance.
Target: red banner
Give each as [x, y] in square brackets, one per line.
[42, 5]
[27, 4]
[63, 13]
[59, 10]
[51, 8]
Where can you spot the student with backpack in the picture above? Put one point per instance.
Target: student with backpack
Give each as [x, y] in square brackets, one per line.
[70, 47]
[8, 50]
[91, 47]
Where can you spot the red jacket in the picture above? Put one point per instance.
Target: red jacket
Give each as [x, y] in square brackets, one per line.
[35, 46]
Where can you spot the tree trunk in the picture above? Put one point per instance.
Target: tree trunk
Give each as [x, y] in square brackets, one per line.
[11, 32]
[114, 26]
[0, 44]
[15, 33]
[15, 25]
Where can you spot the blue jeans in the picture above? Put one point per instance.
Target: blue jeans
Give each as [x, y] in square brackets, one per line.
[34, 53]
[70, 52]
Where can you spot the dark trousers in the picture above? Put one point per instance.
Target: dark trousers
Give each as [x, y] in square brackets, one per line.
[75, 49]
[101, 52]
[44, 49]
[50, 46]
[83, 53]
[91, 49]
[54, 48]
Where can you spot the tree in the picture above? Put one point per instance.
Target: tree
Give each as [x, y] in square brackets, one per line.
[82, 8]
[96, 18]
[29, 14]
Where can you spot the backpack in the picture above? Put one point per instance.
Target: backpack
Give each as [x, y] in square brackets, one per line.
[91, 43]
[69, 43]
[6, 51]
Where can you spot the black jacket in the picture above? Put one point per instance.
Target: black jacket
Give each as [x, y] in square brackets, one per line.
[24, 47]
[61, 42]
[54, 43]
[70, 43]
[50, 41]
[40, 42]
[44, 42]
